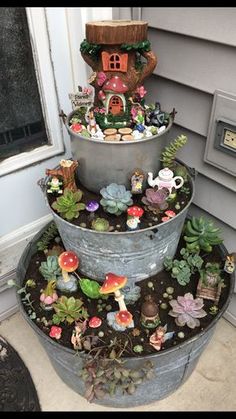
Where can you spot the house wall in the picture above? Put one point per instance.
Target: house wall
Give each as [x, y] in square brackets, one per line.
[196, 52]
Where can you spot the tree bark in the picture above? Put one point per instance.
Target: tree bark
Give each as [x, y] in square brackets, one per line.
[68, 175]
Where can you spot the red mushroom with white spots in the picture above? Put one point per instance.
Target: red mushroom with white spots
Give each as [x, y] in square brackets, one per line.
[124, 318]
[112, 95]
[113, 283]
[68, 262]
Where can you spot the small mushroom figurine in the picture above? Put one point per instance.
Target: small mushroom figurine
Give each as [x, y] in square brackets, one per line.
[134, 214]
[113, 283]
[68, 262]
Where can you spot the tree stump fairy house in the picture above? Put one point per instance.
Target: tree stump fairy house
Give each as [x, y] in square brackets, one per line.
[115, 51]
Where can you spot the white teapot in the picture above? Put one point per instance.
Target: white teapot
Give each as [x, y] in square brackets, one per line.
[165, 179]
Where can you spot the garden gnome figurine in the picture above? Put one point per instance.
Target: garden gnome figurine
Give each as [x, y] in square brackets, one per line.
[149, 313]
[67, 172]
[54, 185]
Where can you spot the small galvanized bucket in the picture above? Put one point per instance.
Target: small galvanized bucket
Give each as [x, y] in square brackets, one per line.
[102, 162]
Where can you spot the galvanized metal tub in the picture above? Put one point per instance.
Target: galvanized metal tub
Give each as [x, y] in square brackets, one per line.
[172, 366]
[136, 254]
[102, 162]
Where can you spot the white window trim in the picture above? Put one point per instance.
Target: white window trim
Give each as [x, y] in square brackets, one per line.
[47, 88]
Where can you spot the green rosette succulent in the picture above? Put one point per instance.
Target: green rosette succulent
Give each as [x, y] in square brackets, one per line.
[68, 205]
[201, 234]
[115, 199]
[100, 224]
[50, 269]
[69, 310]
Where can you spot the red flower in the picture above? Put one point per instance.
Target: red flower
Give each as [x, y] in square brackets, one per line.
[55, 332]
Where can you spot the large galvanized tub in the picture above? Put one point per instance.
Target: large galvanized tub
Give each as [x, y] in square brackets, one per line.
[135, 254]
[172, 366]
[102, 162]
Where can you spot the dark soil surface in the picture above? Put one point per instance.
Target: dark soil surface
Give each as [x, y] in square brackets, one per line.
[119, 222]
[160, 281]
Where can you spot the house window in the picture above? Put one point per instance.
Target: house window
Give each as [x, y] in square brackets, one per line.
[22, 125]
[114, 62]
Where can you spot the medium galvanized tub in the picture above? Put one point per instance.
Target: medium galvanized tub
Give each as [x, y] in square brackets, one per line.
[172, 366]
[102, 162]
[135, 254]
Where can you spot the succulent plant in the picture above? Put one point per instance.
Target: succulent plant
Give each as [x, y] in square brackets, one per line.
[201, 234]
[50, 269]
[187, 310]
[115, 199]
[210, 275]
[100, 224]
[182, 171]
[68, 204]
[169, 153]
[183, 269]
[69, 310]
[155, 200]
[47, 236]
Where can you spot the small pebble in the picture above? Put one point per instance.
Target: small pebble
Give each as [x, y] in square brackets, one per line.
[160, 301]
[165, 295]
[37, 320]
[150, 284]
[161, 282]
[177, 206]
[164, 306]
[150, 224]
[181, 335]
[108, 307]
[100, 309]
[182, 202]
[84, 225]
[118, 226]
[169, 290]
[142, 339]
[100, 301]
[111, 228]
[170, 297]
[101, 334]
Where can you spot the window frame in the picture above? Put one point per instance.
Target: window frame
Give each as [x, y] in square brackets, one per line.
[40, 43]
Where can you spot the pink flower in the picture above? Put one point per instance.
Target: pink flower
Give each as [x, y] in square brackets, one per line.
[141, 91]
[55, 332]
[101, 78]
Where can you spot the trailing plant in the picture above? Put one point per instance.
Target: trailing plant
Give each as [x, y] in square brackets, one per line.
[50, 269]
[47, 237]
[138, 46]
[90, 49]
[183, 269]
[169, 154]
[201, 234]
[115, 199]
[155, 200]
[69, 310]
[25, 295]
[106, 374]
[187, 310]
[100, 224]
[68, 204]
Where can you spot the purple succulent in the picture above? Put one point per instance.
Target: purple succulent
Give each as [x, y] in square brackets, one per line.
[155, 200]
[187, 310]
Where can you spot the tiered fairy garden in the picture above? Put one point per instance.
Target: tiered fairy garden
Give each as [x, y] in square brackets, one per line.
[109, 318]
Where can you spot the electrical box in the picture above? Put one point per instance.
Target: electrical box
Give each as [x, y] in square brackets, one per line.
[220, 148]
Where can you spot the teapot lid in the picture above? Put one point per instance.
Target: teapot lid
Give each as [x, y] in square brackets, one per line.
[165, 173]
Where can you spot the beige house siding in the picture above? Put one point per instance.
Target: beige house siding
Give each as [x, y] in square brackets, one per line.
[196, 49]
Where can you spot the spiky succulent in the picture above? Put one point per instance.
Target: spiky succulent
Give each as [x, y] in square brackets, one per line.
[68, 204]
[187, 310]
[169, 154]
[201, 234]
[50, 233]
[156, 200]
[100, 224]
[69, 310]
[115, 199]
[50, 269]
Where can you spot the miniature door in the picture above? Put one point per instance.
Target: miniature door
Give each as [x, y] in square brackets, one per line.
[115, 105]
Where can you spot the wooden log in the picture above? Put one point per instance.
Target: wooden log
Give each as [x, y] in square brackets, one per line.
[115, 32]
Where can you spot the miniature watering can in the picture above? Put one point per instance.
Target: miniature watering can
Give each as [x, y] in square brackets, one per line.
[165, 179]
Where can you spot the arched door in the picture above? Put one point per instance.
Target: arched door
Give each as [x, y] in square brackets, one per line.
[115, 105]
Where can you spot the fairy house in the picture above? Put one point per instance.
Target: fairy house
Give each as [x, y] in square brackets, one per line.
[113, 50]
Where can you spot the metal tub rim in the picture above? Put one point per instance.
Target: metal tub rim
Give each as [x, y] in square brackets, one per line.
[135, 358]
[118, 233]
[119, 143]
